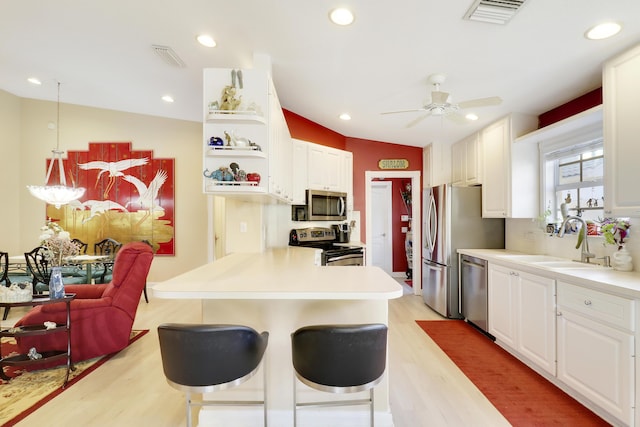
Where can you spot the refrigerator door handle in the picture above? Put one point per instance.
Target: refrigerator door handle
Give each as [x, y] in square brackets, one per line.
[432, 225]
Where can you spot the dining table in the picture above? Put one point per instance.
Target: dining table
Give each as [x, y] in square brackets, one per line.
[17, 264]
[87, 261]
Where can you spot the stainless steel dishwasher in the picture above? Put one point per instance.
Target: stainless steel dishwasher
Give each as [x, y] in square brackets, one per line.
[473, 291]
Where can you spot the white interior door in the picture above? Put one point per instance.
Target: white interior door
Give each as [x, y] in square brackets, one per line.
[381, 232]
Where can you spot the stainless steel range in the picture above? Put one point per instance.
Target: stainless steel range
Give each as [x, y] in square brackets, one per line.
[333, 254]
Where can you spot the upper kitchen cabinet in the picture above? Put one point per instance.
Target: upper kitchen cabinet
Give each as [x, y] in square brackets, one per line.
[319, 167]
[435, 162]
[511, 170]
[324, 168]
[621, 101]
[465, 161]
[246, 141]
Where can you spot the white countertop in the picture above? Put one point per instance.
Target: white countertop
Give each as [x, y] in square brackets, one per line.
[279, 273]
[626, 283]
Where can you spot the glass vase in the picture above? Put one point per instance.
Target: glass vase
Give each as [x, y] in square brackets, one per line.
[56, 285]
[622, 260]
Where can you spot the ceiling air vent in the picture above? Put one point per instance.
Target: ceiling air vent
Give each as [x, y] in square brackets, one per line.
[493, 11]
[168, 55]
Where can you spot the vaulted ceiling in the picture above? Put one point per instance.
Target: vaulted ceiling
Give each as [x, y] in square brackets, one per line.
[102, 54]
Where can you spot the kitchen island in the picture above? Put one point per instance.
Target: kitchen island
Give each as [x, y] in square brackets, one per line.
[280, 290]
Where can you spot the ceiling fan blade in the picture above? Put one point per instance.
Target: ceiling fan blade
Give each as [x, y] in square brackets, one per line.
[405, 111]
[480, 102]
[438, 97]
[416, 121]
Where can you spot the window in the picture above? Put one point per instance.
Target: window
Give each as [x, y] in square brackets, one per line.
[577, 176]
[572, 167]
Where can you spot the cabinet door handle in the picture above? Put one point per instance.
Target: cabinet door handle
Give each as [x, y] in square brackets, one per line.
[513, 273]
[587, 302]
[559, 313]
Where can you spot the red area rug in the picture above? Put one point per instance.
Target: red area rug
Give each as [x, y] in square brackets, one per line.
[409, 282]
[521, 395]
[31, 389]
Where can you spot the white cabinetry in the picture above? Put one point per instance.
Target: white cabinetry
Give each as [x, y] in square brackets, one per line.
[621, 99]
[258, 119]
[511, 170]
[465, 161]
[435, 165]
[300, 170]
[319, 167]
[522, 314]
[324, 167]
[596, 347]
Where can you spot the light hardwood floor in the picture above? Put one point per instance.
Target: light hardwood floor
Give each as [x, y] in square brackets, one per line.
[426, 388]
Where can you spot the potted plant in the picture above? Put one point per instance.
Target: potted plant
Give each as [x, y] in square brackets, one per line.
[615, 231]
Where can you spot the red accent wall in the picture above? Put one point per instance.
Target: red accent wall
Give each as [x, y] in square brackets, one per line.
[306, 130]
[575, 106]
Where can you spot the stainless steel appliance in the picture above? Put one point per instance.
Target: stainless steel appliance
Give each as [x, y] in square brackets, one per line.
[333, 253]
[343, 232]
[473, 291]
[321, 206]
[452, 220]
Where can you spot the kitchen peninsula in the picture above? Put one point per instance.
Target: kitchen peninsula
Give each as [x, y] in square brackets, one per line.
[280, 290]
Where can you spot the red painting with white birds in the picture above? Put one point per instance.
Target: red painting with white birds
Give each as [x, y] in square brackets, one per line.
[129, 196]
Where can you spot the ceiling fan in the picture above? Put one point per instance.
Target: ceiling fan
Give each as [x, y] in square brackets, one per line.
[440, 104]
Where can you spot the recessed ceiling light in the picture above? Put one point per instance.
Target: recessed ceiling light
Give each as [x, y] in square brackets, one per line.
[341, 16]
[167, 98]
[471, 116]
[345, 116]
[206, 40]
[603, 31]
[34, 81]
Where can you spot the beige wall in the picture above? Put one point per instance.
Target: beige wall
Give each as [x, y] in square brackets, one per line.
[9, 172]
[27, 141]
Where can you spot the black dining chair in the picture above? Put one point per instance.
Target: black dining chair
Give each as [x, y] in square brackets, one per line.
[207, 358]
[39, 268]
[4, 277]
[107, 247]
[339, 359]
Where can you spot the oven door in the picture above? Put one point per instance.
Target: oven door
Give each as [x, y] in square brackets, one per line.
[343, 257]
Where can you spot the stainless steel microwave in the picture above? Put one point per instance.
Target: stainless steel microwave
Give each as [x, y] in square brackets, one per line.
[321, 206]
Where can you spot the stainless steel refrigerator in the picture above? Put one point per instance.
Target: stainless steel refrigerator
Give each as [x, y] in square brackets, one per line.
[452, 220]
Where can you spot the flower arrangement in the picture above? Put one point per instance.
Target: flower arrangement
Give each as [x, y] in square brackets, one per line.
[58, 241]
[615, 231]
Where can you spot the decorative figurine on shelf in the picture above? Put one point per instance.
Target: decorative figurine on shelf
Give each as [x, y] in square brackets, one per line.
[253, 177]
[33, 354]
[229, 102]
[236, 141]
[216, 141]
[238, 174]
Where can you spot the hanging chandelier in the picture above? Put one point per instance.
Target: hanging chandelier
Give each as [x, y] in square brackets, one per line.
[59, 194]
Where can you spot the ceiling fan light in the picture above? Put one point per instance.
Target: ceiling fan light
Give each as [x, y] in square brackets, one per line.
[206, 40]
[471, 116]
[603, 31]
[341, 16]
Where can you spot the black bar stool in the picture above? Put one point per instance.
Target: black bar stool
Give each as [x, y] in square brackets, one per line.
[208, 358]
[339, 359]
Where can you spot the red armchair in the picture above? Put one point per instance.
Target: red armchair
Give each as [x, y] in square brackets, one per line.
[101, 315]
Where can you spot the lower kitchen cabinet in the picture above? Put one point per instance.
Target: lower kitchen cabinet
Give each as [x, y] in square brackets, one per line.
[522, 315]
[596, 348]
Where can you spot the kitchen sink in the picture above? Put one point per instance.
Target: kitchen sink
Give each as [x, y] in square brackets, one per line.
[565, 264]
[533, 258]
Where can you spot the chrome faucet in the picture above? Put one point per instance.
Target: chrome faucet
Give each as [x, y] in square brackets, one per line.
[585, 255]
